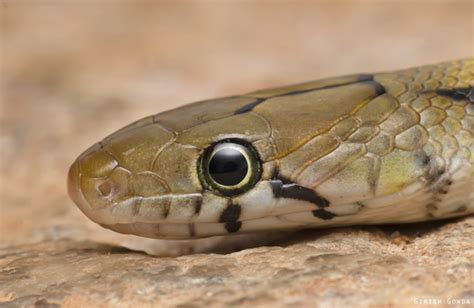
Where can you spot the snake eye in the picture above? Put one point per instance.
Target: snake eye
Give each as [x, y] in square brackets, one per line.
[230, 167]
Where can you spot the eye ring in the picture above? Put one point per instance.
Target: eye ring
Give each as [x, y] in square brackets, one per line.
[230, 167]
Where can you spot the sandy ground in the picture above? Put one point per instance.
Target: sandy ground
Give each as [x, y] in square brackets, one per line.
[74, 71]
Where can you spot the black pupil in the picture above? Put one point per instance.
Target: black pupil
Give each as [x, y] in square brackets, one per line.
[228, 167]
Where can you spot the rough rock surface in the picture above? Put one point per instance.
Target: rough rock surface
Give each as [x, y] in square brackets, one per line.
[73, 72]
[338, 267]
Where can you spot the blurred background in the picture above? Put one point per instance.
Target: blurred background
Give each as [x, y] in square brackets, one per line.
[74, 71]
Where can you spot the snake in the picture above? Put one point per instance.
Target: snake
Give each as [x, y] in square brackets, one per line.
[392, 147]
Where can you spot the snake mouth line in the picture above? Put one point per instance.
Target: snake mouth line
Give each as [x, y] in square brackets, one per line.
[189, 230]
[136, 210]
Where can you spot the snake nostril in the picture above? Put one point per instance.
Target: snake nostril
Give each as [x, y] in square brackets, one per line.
[103, 192]
[105, 188]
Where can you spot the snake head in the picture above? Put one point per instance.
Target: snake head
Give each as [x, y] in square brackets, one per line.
[338, 151]
[136, 175]
[151, 178]
[226, 165]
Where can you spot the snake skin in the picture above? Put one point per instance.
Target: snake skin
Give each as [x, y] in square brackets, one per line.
[391, 147]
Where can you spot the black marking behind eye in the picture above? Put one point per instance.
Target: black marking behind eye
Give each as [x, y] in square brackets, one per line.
[458, 94]
[230, 217]
[295, 191]
[323, 214]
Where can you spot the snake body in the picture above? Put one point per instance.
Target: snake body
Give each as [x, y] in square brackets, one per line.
[392, 147]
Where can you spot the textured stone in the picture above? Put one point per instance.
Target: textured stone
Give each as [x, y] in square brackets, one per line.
[362, 266]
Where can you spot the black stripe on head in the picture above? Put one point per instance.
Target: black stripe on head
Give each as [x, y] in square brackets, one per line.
[230, 217]
[249, 106]
[360, 78]
[365, 77]
[458, 94]
[323, 214]
[378, 88]
[284, 189]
